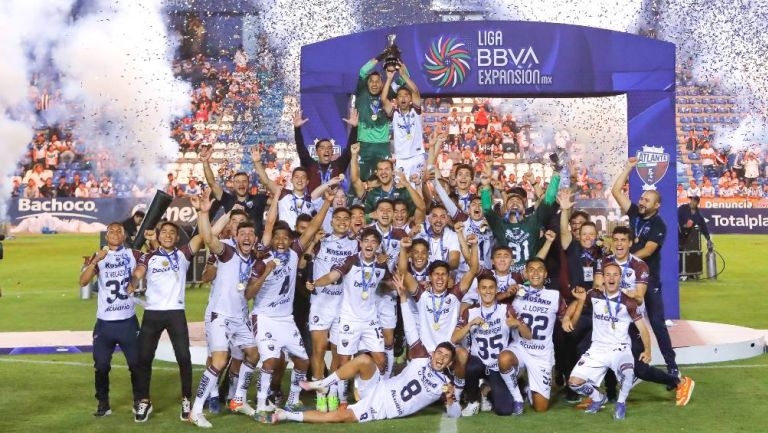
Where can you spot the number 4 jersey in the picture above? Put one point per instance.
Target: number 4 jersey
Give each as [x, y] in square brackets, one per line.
[538, 308]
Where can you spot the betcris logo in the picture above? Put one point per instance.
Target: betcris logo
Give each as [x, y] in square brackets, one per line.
[447, 62]
[58, 207]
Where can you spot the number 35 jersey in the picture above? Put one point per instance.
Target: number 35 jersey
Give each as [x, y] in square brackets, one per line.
[488, 341]
[114, 273]
[538, 308]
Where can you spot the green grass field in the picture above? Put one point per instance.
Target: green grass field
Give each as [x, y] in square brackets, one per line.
[54, 393]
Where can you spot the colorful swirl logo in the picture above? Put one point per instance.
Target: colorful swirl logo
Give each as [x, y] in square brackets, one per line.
[447, 62]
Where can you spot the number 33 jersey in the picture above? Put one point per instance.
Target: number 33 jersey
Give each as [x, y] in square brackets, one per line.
[538, 308]
[114, 274]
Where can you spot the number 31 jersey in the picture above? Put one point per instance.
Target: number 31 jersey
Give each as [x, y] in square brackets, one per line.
[538, 308]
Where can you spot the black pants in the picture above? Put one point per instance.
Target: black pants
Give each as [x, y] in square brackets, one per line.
[107, 335]
[654, 307]
[153, 325]
[643, 370]
[499, 396]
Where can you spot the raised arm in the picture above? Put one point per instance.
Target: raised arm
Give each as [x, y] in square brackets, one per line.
[258, 277]
[202, 204]
[415, 94]
[266, 237]
[325, 187]
[210, 178]
[301, 147]
[450, 206]
[416, 198]
[409, 282]
[566, 204]
[549, 239]
[317, 220]
[645, 337]
[474, 264]
[269, 183]
[618, 185]
[354, 170]
[385, 102]
[573, 312]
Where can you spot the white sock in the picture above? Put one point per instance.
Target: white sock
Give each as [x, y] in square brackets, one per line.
[263, 390]
[293, 394]
[232, 385]
[243, 381]
[342, 389]
[331, 379]
[626, 378]
[510, 379]
[285, 415]
[458, 388]
[208, 381]
[390, 354]
[333, 390]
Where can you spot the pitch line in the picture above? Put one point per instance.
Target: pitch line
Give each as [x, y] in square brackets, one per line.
[80, 364]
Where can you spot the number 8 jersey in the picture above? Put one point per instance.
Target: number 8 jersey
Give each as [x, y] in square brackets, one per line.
[538, 308]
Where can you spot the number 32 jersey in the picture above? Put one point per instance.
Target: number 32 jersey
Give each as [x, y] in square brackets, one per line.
[538, 308]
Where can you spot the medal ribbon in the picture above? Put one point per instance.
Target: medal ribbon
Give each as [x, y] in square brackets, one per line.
[367, 285]
[173, 258]
[437, 310]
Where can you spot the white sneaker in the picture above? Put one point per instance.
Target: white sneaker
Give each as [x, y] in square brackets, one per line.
[472, 408]
[269, 407]
[241, 407]
[485, 404]
[199, 420]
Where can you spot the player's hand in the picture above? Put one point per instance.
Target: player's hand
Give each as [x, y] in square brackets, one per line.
[271, 265]
[579, 293]
[150, 234]
[458, 227]
[477, 321]
[564, 199]
[415, 230]
[398, 281]
[406, 242]
[319, 235]
[355, 149]
[390, 75]
[600, 288]
[512, 321]
[205, 154]
[310, 285]
[645, 357]
[632, 161]
[354, 117]
[382, 258]
[567, 325]
[298, 120]
[238, 206]
[100, 254]
[400, 178]
[130, 288]
[472, 239]
[550, 235]
[256, 154]
[512, 290]
[450, 394]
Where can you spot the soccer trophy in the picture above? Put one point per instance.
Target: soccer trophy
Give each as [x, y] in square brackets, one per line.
[156, 209]
[391, 54]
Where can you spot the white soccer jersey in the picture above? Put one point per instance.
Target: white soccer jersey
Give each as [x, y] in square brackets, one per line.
[275, 298]
[538, 308]
[114, 272]
[166, 278]
[360, 280]
[233, 270]
[290, 206]
[332, 250]
[611, 317]
[633, 271]
[390, 244]
[485, 241]
[489, 339]
[440, 246]
[503, 283]
[407, 133]
[438, 315]
[415, 388]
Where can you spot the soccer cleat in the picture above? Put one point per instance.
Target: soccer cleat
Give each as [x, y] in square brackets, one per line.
[595, 406]
[620, 412]
[485, 404]
[676, 373]
[239, 406]
[214, 405]
[472, 408]
[333, 403]
[583, 404]
[186, 408]
[571, 396]
[684, 391]
[517, 408]
[199, 420]
[264, 417]
[321, 403]
[313, 386]
[103, 409]
[142, 410]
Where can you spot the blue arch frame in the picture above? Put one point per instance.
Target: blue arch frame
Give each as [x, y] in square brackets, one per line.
[540, 60]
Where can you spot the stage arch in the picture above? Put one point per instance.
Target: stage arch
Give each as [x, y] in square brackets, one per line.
[521, 59]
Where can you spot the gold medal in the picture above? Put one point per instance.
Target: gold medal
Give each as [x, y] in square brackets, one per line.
[436, 326]
[240, 287]
[445, 388]
[165, 263]
[485, 326]
[521, 292]
[637, 240]
[364, 295]
[407, 136]
[374, 117]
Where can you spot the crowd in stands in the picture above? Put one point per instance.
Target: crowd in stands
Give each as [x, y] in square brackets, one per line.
[710, 166]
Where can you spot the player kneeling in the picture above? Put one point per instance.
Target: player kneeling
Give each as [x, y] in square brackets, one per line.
[612, 315]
